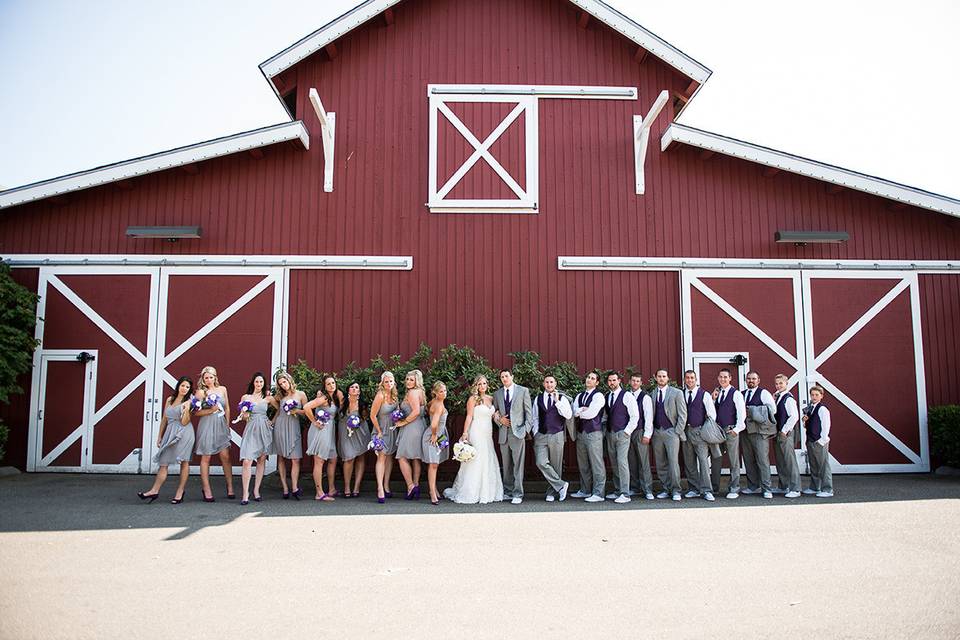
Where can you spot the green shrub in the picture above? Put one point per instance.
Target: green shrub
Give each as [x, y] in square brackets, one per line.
[4, 434]
[18, 309]
[457, 367]
[943, 424]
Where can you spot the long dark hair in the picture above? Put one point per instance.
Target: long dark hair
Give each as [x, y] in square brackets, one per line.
[361, 405]
[176, 389]
[250, 388]
[331, 400]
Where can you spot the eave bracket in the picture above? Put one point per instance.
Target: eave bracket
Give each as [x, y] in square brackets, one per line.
[641, 136]
[328, 122]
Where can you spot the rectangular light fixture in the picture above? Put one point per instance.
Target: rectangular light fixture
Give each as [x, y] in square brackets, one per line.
[811, 237]
[163, 233]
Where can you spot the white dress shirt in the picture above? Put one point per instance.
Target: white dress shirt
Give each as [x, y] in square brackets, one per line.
[630, 402]
[824, 415]
[592, 410]
[793, 413]
[647, 412]
[765, 397]
[708, 405]
[560, 402]
[740, 405]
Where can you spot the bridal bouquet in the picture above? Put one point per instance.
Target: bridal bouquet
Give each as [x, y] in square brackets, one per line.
[464, 452]
[397, 416]
[376, 443]
[243, 411]
[289, 405]
[211, 401]
[353, 423]
[323, 417]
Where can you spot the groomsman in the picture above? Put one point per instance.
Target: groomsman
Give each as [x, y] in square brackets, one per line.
[696, 452]
[641, 477]
[622, 419]
[788, 472]
[669, 422]
[761, 427]
[817, 421]
[588, 412]
[552, 415]
[512, 402]
[731, 416]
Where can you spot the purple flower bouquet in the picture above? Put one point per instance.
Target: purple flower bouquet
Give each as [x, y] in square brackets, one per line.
[397, 416]
[289, 405]
[353, 423]
[322, 417]
[443, 441]
[243, 411]
[195, 404]
[211, 401]
[376, 443]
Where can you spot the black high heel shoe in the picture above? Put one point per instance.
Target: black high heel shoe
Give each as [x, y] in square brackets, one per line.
[148, 496]
[206, 499]
[296, 494]
[176, 501]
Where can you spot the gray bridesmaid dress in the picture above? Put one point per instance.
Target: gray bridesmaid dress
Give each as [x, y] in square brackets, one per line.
[258, 435]
[410, 440]
[213, 434]
[323, 442]
[431, 454]
[178, 439]
[389, 434]
[287, 437]
[356, 445]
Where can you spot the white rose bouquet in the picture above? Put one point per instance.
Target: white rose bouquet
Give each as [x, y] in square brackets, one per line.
[464, 452]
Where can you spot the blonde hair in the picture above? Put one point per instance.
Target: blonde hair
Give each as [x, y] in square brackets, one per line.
[436, 388]
[474, 388]
[780, 376]
[817, 387]
[283, 375]
[205, 371]
[417, 382]
[390, 397]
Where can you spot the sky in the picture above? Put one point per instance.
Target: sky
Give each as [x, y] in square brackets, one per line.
[866, 86]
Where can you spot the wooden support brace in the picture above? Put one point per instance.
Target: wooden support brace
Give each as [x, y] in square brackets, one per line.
[388, 17]
[691, 88]
[641, 137]
[328, 128]
[641, 55]
[331, 50]
[706, 154]
[583, 20]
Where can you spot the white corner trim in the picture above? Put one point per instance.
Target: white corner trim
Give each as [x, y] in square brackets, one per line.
[630, 263]
[809, 168]
[392, 263]
[157, 162]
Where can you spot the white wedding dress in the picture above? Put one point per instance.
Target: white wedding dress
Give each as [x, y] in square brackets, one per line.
[478, 480]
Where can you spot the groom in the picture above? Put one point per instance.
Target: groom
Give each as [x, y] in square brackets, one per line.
[512, 402]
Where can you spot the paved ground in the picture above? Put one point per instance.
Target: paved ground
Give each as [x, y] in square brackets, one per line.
[82, 557]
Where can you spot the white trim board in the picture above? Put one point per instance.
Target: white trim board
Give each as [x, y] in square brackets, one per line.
[392, 263]
[630, 263]
[809, 168]
[157, 162]
[365, 11]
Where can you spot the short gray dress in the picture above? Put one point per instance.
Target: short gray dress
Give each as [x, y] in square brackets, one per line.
[287, 437]
[213, 434]
[258, 434]
[389, 434]
[431, 454]
[410, 440]
[178, 439]
[356, 445]
[323, 442]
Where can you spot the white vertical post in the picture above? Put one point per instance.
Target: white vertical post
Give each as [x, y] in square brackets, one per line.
[328, 122]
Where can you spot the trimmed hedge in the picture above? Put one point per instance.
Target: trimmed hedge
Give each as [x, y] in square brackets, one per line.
[943, 423]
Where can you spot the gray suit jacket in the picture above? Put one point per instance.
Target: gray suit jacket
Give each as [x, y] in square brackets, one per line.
[520, 412]
[675, 406]
[761, 419]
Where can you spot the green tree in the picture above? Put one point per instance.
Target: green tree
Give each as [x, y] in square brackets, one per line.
[18, 308]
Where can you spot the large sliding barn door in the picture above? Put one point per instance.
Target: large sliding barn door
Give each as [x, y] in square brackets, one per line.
[855, 333]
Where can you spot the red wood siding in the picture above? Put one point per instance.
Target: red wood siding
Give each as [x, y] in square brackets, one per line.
[940, 311]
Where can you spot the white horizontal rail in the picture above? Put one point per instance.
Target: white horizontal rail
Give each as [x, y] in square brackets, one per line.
[540, 91]
[616, 263]
[401, 263]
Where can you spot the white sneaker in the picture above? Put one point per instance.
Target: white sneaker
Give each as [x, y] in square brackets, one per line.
[516, 501]
[733, 495]
[824, 494]
[649, 496]
[612, 496]
[792, 494]
[579, 494]
[809, 492]
[663, 495]
[507, 498]
[623, 499]
[749, 492]
[550, 498]
[563, 491]
[691, 494]
[708, 497]
[767, 495]
[675, 497]
[594, 499]
[778, 491]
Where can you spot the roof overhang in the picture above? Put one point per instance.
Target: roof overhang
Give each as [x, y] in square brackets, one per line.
[809, 168]
[178, 157]
[369, 9]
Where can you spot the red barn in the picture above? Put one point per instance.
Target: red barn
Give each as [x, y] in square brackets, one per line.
[477, 154]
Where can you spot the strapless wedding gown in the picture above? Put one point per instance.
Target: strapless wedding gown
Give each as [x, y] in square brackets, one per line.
[478, 480]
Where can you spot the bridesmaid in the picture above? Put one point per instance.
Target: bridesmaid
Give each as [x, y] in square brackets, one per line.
[213, 434]
[433, 455]
[257, 441]
[322, 436]
[287, 437]
[175, 442]
[411, 428]
[384, 403]
[353, 448]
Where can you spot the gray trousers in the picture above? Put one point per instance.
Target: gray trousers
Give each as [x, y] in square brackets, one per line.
[618, 450]
[593, 475]
[732, 447]
[548, 452]
[788, 472]
[821, 476]
[696, 461]
[512, 454]
[641, 476]
[756, 460]
[666, 451]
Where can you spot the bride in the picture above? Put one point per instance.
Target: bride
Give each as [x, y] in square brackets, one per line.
[478, 479]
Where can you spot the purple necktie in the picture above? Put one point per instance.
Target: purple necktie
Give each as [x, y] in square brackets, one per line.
[506, 402]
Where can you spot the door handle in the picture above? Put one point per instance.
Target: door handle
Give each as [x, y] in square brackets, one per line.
[156, 416]
[40, 415]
